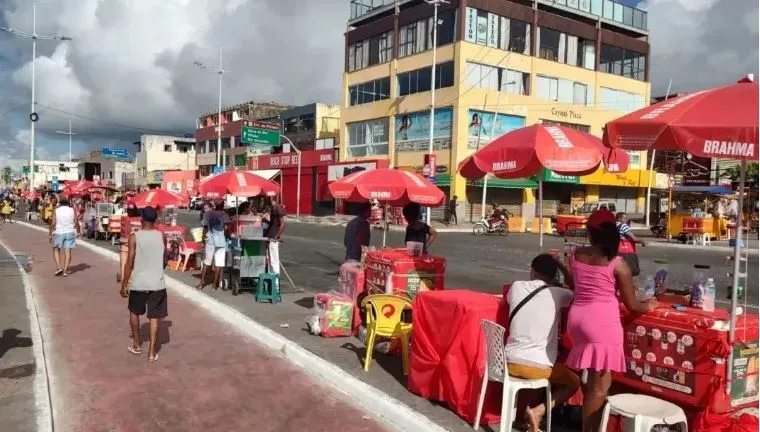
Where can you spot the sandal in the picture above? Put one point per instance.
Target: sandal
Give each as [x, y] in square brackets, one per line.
[154, 358]
[58, 272]
[133, 350]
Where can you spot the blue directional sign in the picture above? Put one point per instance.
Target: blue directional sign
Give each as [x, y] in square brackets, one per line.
[218, 169]
[115, 153]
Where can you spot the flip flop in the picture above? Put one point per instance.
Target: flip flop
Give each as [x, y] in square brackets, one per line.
[154, 358]
[132, 349]
[58, 272]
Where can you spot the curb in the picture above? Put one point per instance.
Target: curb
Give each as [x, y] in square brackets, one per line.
[359, 394]
[43, 397]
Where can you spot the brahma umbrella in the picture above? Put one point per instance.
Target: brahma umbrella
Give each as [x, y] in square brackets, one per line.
[158, 198]
[238, 183]
[526, 151]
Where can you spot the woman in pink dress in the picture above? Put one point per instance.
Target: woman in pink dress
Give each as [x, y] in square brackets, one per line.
[594, 319]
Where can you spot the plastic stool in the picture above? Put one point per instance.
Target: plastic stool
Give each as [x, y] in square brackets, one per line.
[268, 288]
[646, 411]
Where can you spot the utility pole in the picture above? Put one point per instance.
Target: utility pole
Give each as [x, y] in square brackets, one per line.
[33, 117]
[69, 133]
[219, 72]
[651, 170]
[435, 4]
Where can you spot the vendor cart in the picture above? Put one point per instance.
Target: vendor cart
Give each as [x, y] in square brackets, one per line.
[246, 260]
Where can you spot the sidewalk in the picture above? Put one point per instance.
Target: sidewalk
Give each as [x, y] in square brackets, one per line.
[210, 376]
[18, 369]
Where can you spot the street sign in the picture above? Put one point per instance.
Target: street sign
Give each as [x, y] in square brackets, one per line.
[55, 179]
[218, 170]
[115, 153]
[257, 132]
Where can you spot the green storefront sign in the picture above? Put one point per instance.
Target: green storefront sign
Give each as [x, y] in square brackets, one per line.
[552, 177]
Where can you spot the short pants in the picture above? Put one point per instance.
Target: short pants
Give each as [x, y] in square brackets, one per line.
[154, 301]
[558, 374]
[64, 241]
[214, 255]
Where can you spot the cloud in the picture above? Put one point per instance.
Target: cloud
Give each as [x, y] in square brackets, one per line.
[701, 43]
[131, 63]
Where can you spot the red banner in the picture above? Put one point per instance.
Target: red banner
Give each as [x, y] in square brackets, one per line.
[290, 160]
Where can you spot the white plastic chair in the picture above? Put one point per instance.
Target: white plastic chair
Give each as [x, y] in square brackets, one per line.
[185, 253]
[496, 371]
[646, 411]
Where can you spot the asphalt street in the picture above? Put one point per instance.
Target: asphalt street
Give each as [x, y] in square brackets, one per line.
[312, 254]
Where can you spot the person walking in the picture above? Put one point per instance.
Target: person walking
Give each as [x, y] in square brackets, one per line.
[215, 243]
[594, 319]
[144, 282]
[6, 209]
[63, 231]
[275, 222]
[451, 210]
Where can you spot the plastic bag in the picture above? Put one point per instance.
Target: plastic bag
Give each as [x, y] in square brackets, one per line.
[332, 315]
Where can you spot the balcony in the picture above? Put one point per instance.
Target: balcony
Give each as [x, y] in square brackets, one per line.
[361, 9]
[609, 11]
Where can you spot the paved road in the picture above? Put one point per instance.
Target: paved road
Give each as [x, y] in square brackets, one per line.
[209, 377]
[312, 254]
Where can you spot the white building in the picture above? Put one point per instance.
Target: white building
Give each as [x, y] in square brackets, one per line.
[163, 153]
[45, 172]
[114, 171]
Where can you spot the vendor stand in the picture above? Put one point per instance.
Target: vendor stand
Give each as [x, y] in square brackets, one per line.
[693, 213]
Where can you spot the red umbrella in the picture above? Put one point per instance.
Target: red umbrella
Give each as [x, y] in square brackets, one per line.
[238, 183]
[523, 152]
[387, 185]
[615, 160]
[157, 198]
[79, 186]
[721, 122]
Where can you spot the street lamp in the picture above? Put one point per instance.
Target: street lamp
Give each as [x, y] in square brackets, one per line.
[298, 180]
[219, 72]
[435, 4]
[69, 133]
[33, 117]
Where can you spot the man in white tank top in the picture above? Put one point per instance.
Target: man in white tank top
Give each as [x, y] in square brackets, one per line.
[64, 231]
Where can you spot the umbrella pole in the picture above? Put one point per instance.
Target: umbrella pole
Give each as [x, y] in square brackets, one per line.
[737, 276]
[385, 219]
[541, 213]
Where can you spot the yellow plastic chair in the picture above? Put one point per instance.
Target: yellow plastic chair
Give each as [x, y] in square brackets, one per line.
[384, 319]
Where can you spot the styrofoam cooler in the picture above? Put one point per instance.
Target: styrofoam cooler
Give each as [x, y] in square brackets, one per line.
[335, 312]
[393, 271]
[351, 285]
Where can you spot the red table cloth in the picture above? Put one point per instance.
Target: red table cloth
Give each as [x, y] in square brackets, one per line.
[448, 355]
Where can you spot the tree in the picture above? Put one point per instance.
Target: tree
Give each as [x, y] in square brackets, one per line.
[750, 176]
[7, 175]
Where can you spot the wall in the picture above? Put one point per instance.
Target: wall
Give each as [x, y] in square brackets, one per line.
[46, 170]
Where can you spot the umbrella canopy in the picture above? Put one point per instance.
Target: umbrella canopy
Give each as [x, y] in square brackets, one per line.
[79, 186]
[523, 152]
[615, 160]
[238, 183]
[156, 198]
[387, 185]
[721, 122]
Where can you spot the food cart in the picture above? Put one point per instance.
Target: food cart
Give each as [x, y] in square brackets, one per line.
[247, 256]
[694, 214]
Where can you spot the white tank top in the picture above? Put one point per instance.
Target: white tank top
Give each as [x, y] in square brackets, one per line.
[64, 220]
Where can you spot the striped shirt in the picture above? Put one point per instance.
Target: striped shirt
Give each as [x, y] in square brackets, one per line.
[623, 229]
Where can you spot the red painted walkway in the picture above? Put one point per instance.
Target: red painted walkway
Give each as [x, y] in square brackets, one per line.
[209, 376]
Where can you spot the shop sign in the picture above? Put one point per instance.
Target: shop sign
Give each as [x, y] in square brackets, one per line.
[696, 171]
[566, 114]
[550, 176]
[420, 169]
[630, 178]
[413, 130]
[290, 160]
[334, 172]
[481, 125]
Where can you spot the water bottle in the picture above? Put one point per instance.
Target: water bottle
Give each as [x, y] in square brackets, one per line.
[708, 299]
[649, 288]
[698, 286]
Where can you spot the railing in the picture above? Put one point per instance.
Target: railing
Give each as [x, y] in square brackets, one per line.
[607, 9]
[360, 8]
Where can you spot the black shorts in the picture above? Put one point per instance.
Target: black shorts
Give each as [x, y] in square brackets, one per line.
[155, 301]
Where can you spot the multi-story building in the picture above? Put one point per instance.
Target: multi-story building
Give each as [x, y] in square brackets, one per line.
[233, 119]
[48, 172]
[500, 65]
[114, 171]
[306, 125]
[162, 153]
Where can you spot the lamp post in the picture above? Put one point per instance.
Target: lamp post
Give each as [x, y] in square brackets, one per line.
[298, 179]
[219, 72]
[69, 133]
[435, 4]
[33, 117]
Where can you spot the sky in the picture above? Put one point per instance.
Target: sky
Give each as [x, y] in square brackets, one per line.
[129, 68]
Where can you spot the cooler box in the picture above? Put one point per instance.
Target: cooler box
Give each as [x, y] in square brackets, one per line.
[351, 285]
[335, 313]
[408, 275]
[128, 225]
[681, 356]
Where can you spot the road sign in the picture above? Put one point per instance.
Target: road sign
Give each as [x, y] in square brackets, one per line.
[115, 153]
[218, 169]
[256, 132]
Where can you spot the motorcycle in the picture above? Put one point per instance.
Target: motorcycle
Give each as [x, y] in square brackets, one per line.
[484, 227]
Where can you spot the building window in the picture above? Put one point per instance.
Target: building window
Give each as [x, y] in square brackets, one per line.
[619, 100]
[484, 28]
[371, 91]
[619, 61]
[368, 138]
[547, 88]
[447, 27]
[358, 55]
[418, 80]
[380, 48]
[580, 92]
[565, 48]
[551, 44]
[634, 159]
[494, 78]
[417, 37]
[167, 147]
[565, 91]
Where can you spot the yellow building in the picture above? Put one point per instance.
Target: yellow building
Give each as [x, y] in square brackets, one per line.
[578, 63]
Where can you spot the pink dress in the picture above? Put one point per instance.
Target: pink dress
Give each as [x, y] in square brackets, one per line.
[594, 319]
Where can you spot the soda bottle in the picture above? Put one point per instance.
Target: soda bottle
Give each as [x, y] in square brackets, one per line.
[649, 288]
[708, 299]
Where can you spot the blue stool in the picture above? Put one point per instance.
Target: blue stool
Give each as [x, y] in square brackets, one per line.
[268, 288]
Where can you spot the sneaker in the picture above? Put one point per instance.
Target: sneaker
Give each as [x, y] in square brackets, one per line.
[58, 272]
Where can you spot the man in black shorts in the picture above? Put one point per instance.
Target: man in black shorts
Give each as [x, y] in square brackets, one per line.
[144, 281]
